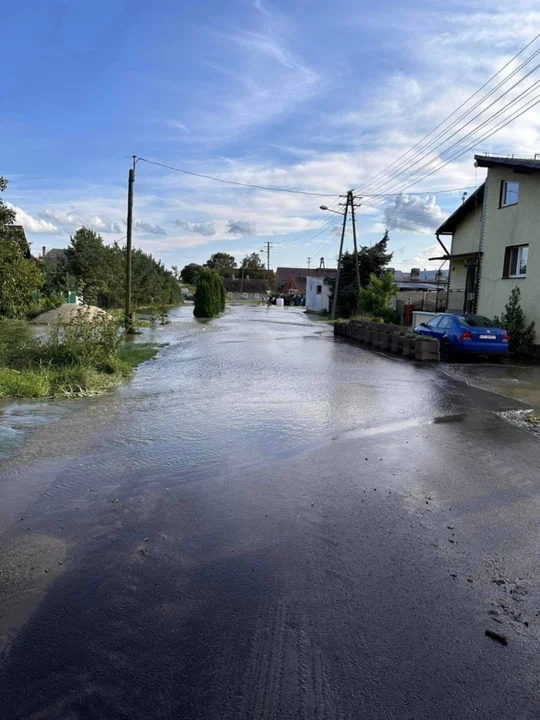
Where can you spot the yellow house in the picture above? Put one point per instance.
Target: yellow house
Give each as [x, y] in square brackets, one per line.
[490, 236]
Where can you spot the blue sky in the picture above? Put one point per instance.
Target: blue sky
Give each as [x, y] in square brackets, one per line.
[294, 94]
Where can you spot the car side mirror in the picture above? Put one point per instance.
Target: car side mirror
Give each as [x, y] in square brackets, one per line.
[423, 325]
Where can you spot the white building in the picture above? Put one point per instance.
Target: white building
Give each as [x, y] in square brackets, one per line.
[318, 292]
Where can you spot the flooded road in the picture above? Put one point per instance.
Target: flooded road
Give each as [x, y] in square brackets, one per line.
[269, 523]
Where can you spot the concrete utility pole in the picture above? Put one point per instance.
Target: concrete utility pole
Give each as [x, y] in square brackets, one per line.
[336, 289]
[356, 259]
[128, 315]
[268, 246]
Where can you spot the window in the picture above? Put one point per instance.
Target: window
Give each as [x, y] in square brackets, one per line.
[515, 261]
[476, 321]
[445, 323]
[509, 193]
[319, 289]
[434, 322]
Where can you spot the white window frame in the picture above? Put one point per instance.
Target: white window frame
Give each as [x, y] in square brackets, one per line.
[504, 193]
[518, 249]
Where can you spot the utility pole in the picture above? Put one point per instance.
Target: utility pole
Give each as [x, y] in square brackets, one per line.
[356, 259]
[268, 246]
[308, 263]
[128, 315]
[336, 288]
[321, 264]
[242, 278]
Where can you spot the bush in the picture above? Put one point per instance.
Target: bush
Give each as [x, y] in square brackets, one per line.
[83, 342]
[375, 298]
[209, 295]
[85, 357]
[521, 334]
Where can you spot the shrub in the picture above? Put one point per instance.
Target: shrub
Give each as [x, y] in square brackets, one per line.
[521, 334]
[375, 298]
[84, 342]
[209, 295]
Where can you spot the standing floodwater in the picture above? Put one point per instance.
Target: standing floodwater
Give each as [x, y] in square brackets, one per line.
[266, 523]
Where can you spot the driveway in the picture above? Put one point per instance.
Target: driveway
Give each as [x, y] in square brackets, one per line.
[270, 523]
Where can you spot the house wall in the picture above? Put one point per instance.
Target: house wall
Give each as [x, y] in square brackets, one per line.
[514, 225]
[314, 301]
[465, 239]
[467, 235]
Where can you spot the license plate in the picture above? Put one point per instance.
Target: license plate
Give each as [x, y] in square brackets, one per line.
[488, 337]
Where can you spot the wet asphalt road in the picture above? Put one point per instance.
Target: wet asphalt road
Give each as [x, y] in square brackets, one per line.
[268, 523]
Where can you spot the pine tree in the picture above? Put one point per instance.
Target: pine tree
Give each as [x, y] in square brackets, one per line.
[513, 320]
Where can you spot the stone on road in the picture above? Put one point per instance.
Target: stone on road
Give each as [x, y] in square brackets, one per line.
[209, 542]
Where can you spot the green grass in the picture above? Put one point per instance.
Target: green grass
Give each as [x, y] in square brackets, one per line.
[82, 360]
[135, 354]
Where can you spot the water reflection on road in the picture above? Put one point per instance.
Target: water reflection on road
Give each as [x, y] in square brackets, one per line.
[251, 384]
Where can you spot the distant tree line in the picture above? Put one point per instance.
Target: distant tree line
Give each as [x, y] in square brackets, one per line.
[226, 266]
[98, 271]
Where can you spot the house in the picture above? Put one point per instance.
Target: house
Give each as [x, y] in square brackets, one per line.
[246, 289]
[54, 257]
[494, 244]
[318, 294]
[295, 285]
[289, 278]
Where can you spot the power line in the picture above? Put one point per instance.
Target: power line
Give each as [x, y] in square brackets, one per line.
[509, 120]
[234, 182]
[463, 104]
[405, 171]
[287, 190]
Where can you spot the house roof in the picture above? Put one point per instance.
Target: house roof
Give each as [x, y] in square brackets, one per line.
[55, 254]
[518, 165]
[474, 200]
[284, 273]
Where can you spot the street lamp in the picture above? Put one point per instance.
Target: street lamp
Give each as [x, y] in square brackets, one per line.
[324, 207]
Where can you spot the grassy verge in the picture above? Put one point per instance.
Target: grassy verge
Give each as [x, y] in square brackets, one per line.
[80, 360]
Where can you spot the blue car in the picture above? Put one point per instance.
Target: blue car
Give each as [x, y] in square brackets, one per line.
[459, 333]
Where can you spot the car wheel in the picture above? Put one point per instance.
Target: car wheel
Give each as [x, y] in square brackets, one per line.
[447, 351]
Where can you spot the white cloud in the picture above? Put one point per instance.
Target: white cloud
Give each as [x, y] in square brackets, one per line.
[149, 228]
[416, 213]
[422, 261]
[199, 228]
[30, 223]
[70, 220]
[241, 227]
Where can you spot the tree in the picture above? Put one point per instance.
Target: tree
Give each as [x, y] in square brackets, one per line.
[375, 298]
[521, 334]
[7, 215]
[20, 277]
[98, 272]
[254, 267]
[209, 294]
[371, 261]
[190, 273]
[222, 263]
[85, 259]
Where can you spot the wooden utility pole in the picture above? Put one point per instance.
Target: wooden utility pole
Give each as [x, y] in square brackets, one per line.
[336, 288]
[128, 315]
[356, 259]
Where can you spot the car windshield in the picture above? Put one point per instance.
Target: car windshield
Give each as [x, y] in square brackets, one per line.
[476, 321]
